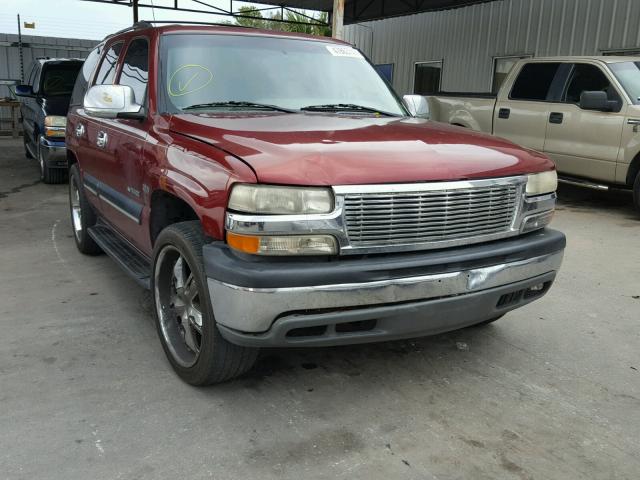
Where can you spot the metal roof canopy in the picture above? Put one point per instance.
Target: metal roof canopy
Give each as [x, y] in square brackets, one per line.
[356, 11]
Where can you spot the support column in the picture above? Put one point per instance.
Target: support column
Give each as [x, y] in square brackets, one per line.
[135, 11]
[337, 19]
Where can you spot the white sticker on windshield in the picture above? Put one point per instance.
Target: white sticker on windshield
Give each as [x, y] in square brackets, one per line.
[343, 51]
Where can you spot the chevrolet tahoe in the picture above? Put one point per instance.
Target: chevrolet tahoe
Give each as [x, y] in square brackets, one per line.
[271, 190]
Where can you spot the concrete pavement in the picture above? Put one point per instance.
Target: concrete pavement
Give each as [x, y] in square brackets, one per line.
[552, 391]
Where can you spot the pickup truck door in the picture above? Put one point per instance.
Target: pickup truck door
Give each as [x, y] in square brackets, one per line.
[121, 178]
[585, 143]
[521, 113]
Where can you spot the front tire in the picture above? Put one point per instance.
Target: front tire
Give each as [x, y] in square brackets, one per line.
[184, 314]
[47, 174]
[636, 193]
[82, 214]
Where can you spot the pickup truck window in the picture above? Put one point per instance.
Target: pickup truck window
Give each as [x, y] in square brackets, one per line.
[286, 73]
[588, 78]
[82, 80]
[628, 74]
[108, 66]
[135, 68]
[534, 81]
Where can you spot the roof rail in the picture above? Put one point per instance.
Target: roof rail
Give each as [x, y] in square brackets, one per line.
[189, 22]
[135, 26]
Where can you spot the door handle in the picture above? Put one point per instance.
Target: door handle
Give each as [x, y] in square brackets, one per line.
[101, 139]
[80, 130]
[556, 117]
[504, 113]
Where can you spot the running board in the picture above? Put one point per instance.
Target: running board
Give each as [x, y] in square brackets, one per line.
[584, 183]
[128, 258]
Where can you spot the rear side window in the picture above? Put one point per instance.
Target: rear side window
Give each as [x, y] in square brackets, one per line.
[135, 68]
[108, 67]
[588, 78]
[58, 80]
[82, 80]
[534, 81]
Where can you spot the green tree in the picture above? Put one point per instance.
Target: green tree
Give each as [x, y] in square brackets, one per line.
[255, 21]
[273, 22]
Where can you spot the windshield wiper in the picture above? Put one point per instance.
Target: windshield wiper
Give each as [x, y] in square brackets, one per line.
[345, 107]
[233, 103]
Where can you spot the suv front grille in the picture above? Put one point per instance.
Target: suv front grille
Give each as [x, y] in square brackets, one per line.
[380, 219]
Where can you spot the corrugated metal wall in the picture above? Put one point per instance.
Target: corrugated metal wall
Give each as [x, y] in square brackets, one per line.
[33, 47]
[469, 38]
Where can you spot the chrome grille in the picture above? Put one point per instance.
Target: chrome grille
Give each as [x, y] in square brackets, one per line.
[437, 216]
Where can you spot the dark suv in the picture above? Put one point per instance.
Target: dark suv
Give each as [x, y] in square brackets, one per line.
[44, 113]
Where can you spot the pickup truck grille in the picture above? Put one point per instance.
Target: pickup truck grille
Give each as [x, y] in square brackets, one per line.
[438, 216]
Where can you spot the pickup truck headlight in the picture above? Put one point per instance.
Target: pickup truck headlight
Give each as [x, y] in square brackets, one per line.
[276, 200]
[542, 183]
[54, 126]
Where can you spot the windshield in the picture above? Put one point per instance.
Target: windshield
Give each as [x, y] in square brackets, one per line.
[60, 79]
[285, 73]
[628, 74]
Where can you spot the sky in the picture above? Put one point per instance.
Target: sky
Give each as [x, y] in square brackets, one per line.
[87, 20]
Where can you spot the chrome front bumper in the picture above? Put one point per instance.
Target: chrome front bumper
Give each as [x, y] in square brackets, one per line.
[267, 316]
[53, 153]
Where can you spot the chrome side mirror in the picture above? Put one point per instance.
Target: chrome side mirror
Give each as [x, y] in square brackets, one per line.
[112, 101]
[417, 105]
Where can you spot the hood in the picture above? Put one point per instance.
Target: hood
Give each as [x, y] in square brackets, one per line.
[334, 149]
[55, 105]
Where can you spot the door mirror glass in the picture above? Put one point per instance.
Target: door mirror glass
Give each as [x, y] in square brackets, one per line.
[597, 100]
[24, 91]
[112, 101]
[417, 105]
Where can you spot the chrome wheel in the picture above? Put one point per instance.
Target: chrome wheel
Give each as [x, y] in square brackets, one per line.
[178, 306]
[76, 209]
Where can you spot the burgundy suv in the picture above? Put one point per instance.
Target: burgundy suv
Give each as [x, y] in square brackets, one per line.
[272, 190]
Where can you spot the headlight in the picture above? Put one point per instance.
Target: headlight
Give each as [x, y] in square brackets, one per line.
[275, 200]
[541, 183]
[54, 126]
[283, 244]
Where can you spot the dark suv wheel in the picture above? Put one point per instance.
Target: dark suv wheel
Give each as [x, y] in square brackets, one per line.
[184, 313]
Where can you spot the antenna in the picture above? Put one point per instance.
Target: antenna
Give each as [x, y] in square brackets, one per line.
[153, 10]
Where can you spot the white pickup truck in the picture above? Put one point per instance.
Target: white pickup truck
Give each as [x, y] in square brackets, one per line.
[583, 112]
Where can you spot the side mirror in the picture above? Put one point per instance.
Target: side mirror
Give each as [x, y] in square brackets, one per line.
[112, 101]
[599, 101]
[417, 105]
[24, 91]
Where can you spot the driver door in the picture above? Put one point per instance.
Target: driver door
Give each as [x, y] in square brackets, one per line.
[585, 143]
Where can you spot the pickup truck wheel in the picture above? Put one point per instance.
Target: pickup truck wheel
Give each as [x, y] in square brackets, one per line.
[184, 313]
[636, 193]
[49, 175]
[82, 214]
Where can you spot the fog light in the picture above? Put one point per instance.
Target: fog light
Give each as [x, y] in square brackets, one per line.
[536, 222]
[282, 245]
